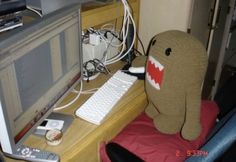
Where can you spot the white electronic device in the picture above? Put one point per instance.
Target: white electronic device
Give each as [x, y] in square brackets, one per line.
[136, 69]
[49, 124]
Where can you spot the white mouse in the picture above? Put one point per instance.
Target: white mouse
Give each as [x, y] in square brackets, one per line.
[136, 69]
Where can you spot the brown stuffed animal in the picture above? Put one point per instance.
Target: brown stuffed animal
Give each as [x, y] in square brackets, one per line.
[175, 70]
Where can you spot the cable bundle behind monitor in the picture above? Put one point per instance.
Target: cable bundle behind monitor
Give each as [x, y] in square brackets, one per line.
[124, 50]
[127, 20]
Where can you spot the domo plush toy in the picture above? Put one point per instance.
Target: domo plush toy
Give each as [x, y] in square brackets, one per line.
[175, 70]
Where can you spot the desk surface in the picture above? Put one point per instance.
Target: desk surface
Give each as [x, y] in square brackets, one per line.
[82, 140]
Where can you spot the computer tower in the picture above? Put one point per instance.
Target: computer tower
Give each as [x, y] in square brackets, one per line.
[48, 6]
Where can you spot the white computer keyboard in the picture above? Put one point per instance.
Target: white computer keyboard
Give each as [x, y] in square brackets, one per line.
[96, 108]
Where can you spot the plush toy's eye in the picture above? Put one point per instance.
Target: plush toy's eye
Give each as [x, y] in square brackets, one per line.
[168, 51]
[154, 42]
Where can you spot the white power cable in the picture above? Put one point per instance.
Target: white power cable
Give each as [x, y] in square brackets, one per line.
[123, 51]
[34, 10]
[125, 29]
[106, 26]
[90, 91]
[72, 101]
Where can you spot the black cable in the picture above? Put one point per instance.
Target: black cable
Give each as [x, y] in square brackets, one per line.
[93, 67]
[137, 51]
[141, 43]
[100, 67]
[112, 33]
[89, 71]
[149, 45]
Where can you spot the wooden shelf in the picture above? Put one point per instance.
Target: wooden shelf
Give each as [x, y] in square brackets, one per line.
[94, 16]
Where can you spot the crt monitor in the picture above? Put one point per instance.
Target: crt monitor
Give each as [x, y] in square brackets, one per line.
[39, 64]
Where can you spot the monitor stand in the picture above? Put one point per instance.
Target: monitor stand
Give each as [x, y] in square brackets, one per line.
[68, 119]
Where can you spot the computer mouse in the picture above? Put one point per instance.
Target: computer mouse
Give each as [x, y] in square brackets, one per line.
[136, 69]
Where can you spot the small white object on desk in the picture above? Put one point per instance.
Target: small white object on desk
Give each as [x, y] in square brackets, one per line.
[49, 124]
[53, 137]
[136, 70]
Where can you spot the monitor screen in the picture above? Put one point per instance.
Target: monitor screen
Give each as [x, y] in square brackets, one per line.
[39, 64]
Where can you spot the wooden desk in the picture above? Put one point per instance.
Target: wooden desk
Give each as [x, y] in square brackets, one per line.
[88, 137]
[82, 140]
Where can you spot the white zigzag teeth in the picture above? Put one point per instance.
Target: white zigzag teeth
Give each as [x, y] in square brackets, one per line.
[156, 63]
[152, 82]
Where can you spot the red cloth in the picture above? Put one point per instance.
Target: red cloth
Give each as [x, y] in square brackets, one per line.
[144, 140]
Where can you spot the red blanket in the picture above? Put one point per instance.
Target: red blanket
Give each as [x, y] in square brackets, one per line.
[144, 140]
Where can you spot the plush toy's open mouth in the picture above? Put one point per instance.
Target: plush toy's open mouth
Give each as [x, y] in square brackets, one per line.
[155, 71]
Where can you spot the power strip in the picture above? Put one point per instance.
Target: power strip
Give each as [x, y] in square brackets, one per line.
[92, 51]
